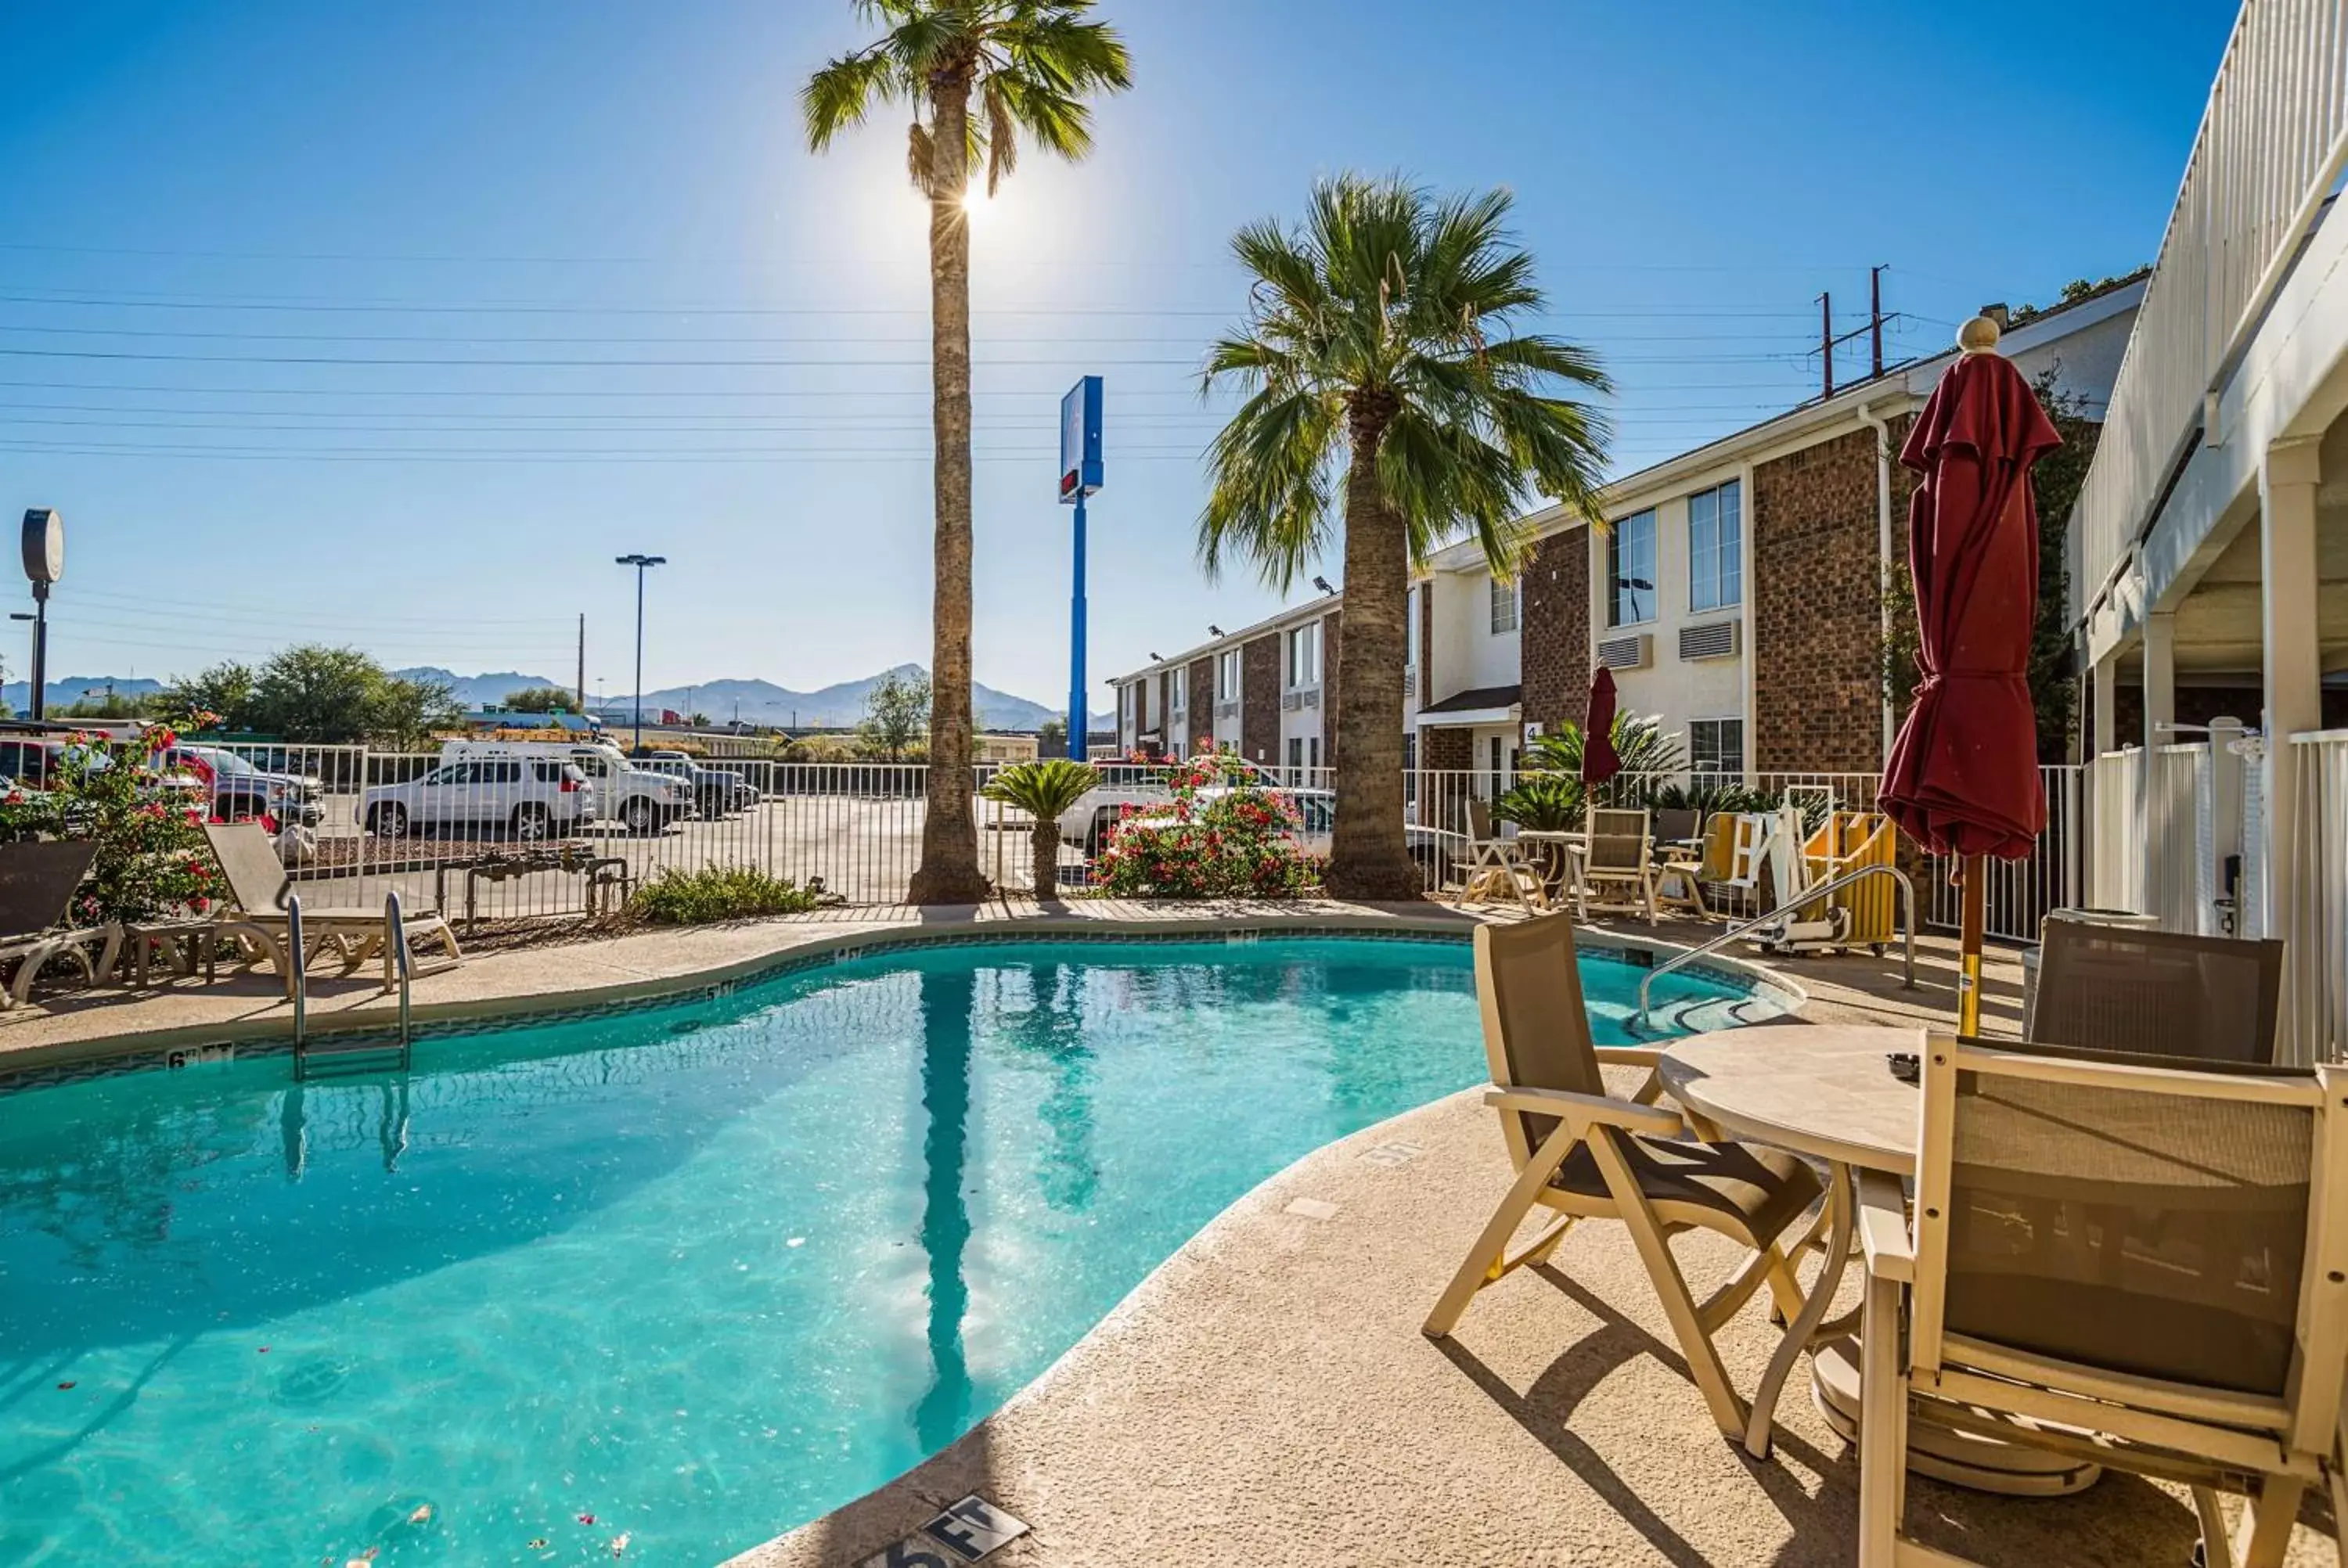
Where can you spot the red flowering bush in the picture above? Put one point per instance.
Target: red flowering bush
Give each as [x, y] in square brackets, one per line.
[1222, 835]
[153, 858]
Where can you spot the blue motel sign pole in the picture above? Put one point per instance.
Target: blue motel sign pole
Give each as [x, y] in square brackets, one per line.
[1080, 476]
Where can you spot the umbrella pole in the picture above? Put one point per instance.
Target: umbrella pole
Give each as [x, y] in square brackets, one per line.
[1969, 949]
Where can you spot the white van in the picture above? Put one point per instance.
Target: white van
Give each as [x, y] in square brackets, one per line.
[638, 799]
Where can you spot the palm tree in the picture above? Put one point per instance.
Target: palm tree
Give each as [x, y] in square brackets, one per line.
[1379, 356]
[1044, 790]
[986, 72]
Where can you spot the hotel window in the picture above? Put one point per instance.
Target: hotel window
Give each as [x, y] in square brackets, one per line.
[1182, 703]
[1508, 599]
[1305, 656]
[1410, 629]
[1715, 548]
[1716, 745]
[1227, 677]
[1631, 570]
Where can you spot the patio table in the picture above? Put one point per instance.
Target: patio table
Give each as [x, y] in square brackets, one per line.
[1825, 1091]
[1821, 1089]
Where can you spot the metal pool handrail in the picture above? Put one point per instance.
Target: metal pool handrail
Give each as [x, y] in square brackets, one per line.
[1680, 961]
[395, 937]
[298, 978]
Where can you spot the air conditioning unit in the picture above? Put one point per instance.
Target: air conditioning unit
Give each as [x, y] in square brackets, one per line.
[1229, 710]
[1291, 701]
[1712, 640]
[1633, 652]
[1409, 681]
[1312, 698]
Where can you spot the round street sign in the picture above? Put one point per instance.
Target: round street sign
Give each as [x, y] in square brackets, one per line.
[45, 545]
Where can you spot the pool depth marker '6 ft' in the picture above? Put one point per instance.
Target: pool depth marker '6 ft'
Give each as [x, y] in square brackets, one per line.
[1080, 476]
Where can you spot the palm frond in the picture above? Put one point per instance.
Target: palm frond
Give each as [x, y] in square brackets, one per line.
[837, 97]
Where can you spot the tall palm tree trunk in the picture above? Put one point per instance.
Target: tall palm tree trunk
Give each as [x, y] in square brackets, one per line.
[948, 873]
[1368, 857]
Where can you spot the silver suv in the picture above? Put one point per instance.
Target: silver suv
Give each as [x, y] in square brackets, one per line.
[531, 799]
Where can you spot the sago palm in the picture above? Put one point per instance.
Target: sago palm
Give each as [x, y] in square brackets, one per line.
[979, 75]
[1045, 791]
[1381, 361]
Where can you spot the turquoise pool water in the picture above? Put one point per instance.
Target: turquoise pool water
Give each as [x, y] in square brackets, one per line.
[700, 1272]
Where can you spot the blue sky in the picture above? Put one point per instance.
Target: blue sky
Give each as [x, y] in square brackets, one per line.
[625, 310]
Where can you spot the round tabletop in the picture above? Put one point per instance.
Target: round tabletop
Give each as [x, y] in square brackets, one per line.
[1823, 1089]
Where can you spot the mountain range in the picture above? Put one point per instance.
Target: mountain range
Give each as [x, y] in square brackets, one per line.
[754, 701]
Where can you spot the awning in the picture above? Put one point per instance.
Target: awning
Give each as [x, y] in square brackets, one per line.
[1476, 706]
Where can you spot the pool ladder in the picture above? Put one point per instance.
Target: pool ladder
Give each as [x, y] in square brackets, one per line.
[365, 1056]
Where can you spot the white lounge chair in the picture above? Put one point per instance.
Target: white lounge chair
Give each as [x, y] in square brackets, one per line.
[258, 880]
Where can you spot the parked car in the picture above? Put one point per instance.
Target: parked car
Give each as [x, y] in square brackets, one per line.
[626, 793]
[241, 789]
[530, 798]
[37, 760]
[715, 791]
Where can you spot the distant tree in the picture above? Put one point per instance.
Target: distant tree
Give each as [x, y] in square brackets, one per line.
[404, 713]
[225, 689]
[1052, 738]
[896, 714]
[107, 705]
[540, 700]
[318, 694]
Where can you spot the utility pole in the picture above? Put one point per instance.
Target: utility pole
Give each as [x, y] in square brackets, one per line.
[1826, 342]
[1875, 317]
[583, 663]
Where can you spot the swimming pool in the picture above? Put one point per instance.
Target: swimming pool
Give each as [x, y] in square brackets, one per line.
[693, 1274]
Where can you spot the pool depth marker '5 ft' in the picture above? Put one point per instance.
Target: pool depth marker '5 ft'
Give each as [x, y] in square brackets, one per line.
[1080, 476]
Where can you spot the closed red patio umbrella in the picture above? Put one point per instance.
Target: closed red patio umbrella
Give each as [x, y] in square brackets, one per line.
[1599, 760]
[1962, 776]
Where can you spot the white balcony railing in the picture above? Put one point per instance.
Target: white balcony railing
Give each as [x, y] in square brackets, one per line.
[2272, 142]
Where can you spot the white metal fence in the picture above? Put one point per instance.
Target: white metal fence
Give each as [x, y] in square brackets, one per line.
[2270, 149]
[500, 843]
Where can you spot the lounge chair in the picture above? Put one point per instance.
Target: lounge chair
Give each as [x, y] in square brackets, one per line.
[1690, 873]
[2136, 1266]
[1494, 861]
[1614, 852]
[1844, 842]
[1586, 1153]
[37, 882]
[2162, 993]
[255, 875]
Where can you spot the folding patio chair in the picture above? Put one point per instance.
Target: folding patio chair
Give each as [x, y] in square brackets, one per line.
[1494, 859]
[1586, 1153]
[1614, 851]
[1690, 872]
[37, 882]
[257, 876]
[2137, 1265]
[2159, 993]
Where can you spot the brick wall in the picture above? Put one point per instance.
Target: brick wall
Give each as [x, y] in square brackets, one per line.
[1555, 639]
[1451, 749]
[1332, 646]
[1202, 699]
[1260, 700]
[1140, 710]
[1817, 615]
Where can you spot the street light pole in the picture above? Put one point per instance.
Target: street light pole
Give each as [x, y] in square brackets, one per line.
[640, 562]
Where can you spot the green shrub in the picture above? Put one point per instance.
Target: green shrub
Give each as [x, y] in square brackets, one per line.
[673, 897]
[1545, 803]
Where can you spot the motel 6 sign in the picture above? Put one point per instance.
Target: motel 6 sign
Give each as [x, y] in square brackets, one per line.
[1080, 441]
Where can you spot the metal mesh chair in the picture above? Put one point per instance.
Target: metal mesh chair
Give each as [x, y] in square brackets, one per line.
[2125, 1261]
[2157, 993]
[1586, 1153]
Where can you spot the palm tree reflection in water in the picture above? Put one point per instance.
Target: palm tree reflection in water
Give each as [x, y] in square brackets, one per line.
[944, 1409]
